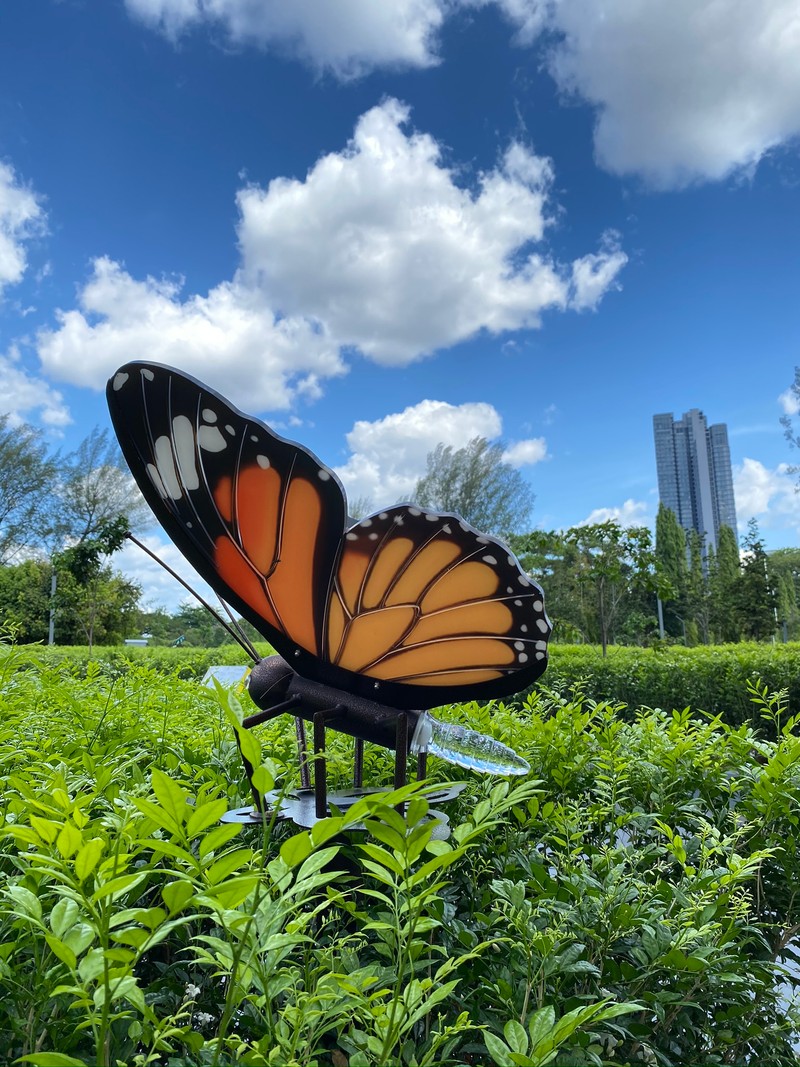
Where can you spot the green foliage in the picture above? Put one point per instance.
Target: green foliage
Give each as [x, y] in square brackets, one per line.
[710, 679]
[629, 902]
[27, 476]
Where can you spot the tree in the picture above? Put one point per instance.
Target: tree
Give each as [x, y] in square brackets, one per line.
[723, 580]
[96, 489]
[614, 562]
[698, 604]
[476, 483]
[88, 592]
[671, 555]
[757, 601]
[25, 599]
[27, 482]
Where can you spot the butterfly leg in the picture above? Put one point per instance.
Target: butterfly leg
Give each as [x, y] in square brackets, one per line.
[302, 752]
[358, 764]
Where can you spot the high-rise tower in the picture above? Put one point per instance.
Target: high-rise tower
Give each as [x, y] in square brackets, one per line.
[694, 473]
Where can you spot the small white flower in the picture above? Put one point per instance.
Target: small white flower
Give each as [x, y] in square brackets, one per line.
[202, 1018]
[192, 991]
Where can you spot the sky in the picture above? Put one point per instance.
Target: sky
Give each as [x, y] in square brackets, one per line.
[381, 226]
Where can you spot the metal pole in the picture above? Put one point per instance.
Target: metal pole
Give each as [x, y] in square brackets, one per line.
[51, 637]
[660, 618]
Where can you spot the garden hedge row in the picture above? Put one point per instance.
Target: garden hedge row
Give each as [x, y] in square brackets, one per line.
[711, 679]
[706, 679]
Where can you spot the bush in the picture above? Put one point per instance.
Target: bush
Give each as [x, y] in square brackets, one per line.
[708, 679]
[631, 900]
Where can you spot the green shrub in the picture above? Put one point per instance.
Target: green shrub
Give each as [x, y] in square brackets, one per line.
[708, 679]
[629, 901]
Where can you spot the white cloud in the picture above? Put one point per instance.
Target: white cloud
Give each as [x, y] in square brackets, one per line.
[389, 456]
[227, 337]
[632, 513]
[770, 496]
[346, 37]
[526, 453]
[380, 244]
[23, 394]
[688, 90]
[377, 249]
[21, 217]
[789, 402]
[684, 91]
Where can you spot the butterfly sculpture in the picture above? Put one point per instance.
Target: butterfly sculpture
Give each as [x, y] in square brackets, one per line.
[403, 610]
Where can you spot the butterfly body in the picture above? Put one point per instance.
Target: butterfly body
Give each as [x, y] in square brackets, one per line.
[407, 608]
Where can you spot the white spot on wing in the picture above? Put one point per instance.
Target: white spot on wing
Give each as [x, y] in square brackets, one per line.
[210, 438]
[155, 478]
[183, 440]
[119, 380]
[351, 537]
[489, 559]
[365, 522]
[542, 625]
[164, 475]
[414, 511]
[522, 657]
[231, 431]
[383, 515]
[537, 605]
[146, 373]
[263, 462]
[209, 415]
[323, 475]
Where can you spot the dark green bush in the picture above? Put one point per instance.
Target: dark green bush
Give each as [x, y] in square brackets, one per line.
[707, 679]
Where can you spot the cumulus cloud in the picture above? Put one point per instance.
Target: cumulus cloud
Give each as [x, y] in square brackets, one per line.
[227, 337]
[389, 456]
[345, 37]
[770, 496]
[632, 513]
[21, 217]
[685, 91]
[526, 453]
[25, 395]
[380, 244]
[378, 249]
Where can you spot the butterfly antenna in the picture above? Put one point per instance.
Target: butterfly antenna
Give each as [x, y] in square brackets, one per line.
[243, 639]
[238, 637]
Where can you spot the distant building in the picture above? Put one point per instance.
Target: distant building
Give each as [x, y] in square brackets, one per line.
[694, 473]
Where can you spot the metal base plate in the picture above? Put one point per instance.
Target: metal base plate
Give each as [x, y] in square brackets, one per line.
[299, 806]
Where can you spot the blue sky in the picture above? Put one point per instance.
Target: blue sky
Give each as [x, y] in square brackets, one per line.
[384, 225]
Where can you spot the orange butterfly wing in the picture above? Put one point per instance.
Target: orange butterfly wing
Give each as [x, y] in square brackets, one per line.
[406, 607]
[258, 517]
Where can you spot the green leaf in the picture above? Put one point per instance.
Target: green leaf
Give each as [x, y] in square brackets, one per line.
[88, 857]
[218, 838]
[45, 828]
[516, 1036]
[27, 903]
[204, 816]
[176, 895]
[62, 951]
[79, 937]
[63, 916]
[226, 865]
[51, 1059]
[117, 886]
[69, 840]
[169, 795]
[498, 1050]
[296, 849]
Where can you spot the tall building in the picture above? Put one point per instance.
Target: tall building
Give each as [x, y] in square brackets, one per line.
[694, 472]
